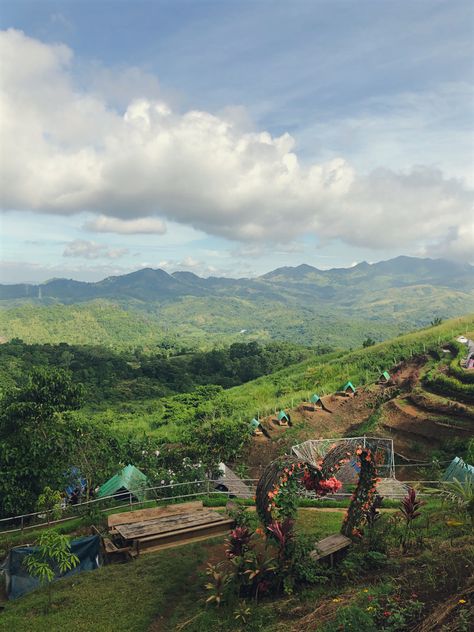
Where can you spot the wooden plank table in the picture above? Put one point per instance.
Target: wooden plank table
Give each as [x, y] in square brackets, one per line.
[165, 524]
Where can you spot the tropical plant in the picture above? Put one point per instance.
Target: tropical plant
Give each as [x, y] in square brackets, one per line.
[217, 584]
[410, 510]
[238, 542]
[461, 494]
[260, 572]
[53, 552]
[50, 503]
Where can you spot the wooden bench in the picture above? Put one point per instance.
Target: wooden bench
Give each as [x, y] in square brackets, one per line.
[142, 515]
[327, 547]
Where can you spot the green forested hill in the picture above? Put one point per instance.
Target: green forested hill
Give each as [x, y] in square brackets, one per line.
[339, 308]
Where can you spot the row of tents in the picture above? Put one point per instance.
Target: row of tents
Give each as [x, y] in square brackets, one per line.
[316, 402]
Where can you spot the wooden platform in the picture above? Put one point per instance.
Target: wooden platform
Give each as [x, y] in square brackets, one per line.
[159, 527]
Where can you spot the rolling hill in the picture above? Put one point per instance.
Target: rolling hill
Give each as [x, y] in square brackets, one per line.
[338, 307]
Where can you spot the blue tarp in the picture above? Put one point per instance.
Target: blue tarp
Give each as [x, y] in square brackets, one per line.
[19, 583]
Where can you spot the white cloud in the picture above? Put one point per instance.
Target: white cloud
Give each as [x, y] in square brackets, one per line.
[66, 151]
[92, 250]
[148, 225]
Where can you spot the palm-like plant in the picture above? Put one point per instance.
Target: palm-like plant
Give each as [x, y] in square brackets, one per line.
[217, 584]
[410, 509]
[461, 494]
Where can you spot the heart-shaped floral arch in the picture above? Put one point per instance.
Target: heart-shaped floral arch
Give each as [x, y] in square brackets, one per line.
[277, 494]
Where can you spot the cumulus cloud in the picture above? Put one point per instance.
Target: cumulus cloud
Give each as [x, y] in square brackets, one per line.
[92, 250]
[69, 151]
[148, 225]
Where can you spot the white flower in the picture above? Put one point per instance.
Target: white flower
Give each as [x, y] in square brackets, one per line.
[162, 482]
[157, 453]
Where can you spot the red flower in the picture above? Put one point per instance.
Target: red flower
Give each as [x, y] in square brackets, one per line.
[387, 613]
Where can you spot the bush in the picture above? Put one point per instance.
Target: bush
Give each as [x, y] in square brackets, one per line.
[350, 619]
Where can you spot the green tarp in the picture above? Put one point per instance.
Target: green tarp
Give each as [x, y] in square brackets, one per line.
[282, 415]
[130, 479]
[315, 399]
[459, 470]
[385, 376]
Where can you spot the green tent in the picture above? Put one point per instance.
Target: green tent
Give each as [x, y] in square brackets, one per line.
[385, 376]
[283, 416]
[315, 399]
[254, 424]
[348, 386]
[459, 470]
[130, 479]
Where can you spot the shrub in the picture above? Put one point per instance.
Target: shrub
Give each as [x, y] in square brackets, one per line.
[351, 619]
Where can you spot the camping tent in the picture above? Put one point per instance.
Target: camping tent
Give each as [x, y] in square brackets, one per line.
[348, 386]
[254, 424]
[19, 582]
[130, 479]
[283, 417]
[459, 470]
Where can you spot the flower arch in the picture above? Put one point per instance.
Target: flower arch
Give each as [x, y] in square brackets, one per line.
[277, 489]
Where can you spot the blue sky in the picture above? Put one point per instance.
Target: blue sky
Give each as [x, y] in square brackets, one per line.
[241, 136]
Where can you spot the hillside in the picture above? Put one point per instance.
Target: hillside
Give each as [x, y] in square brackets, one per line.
[385, 582]
[339, 307]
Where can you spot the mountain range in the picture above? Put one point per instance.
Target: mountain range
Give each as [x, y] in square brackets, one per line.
[150, 285]
[302, 304]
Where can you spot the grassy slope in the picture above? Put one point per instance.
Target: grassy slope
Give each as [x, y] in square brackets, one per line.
[128, 597]
[324, 374]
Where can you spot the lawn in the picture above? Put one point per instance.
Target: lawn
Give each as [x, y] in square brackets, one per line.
[129, 597]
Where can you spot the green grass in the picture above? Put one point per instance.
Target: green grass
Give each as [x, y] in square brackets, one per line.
[127, 597]
[114, 598]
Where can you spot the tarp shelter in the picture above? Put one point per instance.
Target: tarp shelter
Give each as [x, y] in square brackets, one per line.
[348, 386]
[19, 582]
[459, 470]
[282, 416]
[314, 399]
[74, 481]
[229, 482]
[385, 377]
[130, 479]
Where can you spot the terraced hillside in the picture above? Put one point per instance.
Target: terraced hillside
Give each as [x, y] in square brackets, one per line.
[427, 408]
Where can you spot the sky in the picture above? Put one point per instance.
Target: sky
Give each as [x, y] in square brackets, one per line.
[233, 137]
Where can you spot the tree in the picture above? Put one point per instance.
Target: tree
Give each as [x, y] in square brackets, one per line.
[34, 440]
[53, 551]
[50, 502]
